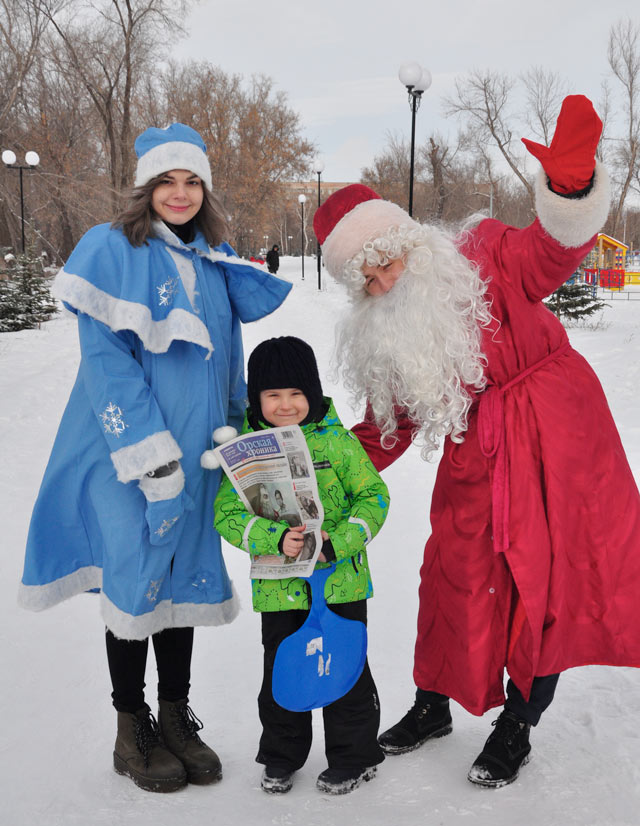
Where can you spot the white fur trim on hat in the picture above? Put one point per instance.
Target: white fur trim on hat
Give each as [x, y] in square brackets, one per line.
[368, 220]
[173, 155]
[573, 221]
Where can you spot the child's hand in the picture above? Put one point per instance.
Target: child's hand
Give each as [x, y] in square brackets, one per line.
[292, 542]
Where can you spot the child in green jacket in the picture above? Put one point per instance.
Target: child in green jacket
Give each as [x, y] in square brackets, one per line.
[284, 389]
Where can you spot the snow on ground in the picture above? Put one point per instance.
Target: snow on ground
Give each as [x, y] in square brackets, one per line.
[58, 725]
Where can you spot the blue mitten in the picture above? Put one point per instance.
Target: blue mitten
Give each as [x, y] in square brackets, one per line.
[167, 500]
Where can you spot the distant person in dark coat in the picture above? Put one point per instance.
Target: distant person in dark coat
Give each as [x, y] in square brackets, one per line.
[273, 258]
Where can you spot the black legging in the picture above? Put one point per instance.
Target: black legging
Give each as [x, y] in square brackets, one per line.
[542, 691]
[128, 660]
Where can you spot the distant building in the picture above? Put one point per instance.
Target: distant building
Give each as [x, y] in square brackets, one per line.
[310, 189]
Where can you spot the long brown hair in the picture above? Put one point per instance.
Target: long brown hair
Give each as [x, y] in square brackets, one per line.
[135, 219]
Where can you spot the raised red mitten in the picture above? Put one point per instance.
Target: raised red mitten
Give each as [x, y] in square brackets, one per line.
[570, 160]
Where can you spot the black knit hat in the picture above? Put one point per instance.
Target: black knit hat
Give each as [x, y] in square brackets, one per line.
[284, 362]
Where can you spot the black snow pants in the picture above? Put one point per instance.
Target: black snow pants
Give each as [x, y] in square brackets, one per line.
[350, 723]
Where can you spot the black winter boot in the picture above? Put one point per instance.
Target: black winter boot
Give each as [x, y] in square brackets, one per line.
[507, 748]
[343, 781]
[276, 780]
[422, 722]
[140, 755]
[179, 728]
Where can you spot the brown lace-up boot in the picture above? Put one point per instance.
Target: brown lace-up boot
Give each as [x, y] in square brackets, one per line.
[139, 754]
[179, 728]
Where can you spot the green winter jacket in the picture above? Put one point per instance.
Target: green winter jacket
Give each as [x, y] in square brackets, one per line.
[355, 502]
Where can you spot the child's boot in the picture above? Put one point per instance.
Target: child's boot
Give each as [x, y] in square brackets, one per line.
[343, 781]
[179, 728]
[276, 780]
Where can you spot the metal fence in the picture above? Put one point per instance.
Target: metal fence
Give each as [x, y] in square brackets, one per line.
[609, 285]
[627, 294]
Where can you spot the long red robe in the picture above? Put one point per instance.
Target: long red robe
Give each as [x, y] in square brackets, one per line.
[566, 591]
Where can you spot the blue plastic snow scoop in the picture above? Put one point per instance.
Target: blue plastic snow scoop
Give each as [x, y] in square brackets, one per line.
[322, 660]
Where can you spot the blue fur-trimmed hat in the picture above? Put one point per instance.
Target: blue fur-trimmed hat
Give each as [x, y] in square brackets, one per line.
[175, 147]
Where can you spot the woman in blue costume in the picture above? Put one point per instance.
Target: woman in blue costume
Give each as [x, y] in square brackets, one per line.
[125, 507]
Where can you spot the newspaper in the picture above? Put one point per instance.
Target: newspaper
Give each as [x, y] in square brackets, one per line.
[272, 472]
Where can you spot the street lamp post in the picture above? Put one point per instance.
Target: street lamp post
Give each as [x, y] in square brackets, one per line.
[318, 167]
[9, 159]
[289, 240]
[417, 80]
[301, 200]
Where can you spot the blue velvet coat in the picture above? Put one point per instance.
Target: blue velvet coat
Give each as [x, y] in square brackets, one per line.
[161, 367]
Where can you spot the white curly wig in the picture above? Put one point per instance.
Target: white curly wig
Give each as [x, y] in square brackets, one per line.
[419, 345]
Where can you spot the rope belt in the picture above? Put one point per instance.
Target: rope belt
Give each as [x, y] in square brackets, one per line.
[492, 439]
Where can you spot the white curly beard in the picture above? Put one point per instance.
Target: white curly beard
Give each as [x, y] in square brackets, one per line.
[419, 346]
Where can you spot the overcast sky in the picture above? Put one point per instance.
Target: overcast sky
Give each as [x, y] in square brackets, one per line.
[338, 60]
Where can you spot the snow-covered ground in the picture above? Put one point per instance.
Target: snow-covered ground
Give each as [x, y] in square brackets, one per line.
[57, 723]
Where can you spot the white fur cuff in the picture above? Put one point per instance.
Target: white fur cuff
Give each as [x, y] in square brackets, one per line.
[157, 489]
[573, 221]
[134, 461]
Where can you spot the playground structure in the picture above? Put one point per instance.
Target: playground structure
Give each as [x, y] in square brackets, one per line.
[610, 265]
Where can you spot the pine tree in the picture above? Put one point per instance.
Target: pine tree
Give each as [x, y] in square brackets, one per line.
[574, 301]
[25, 300]
[11, 306]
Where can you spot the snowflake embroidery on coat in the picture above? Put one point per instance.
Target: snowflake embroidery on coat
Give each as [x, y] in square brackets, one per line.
[166, 526]
[166, 291]
[112, 420]
[203, 581]
[154, 587]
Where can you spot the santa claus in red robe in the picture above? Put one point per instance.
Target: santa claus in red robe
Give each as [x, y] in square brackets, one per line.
[533, 563]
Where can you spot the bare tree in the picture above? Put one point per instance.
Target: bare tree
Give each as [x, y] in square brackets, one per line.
[109, 48]
[624, 59]
[389, 173]
[483, 98]
[439, 158]
[603, 108]
[544, 92]
[80, 90]
[252, 134]
[22, 23]
[62, 122]
[485, 178]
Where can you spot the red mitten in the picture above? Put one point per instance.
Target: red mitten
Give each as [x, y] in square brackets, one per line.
[570, 160]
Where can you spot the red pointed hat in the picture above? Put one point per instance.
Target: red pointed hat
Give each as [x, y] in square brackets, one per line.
[351, 217]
